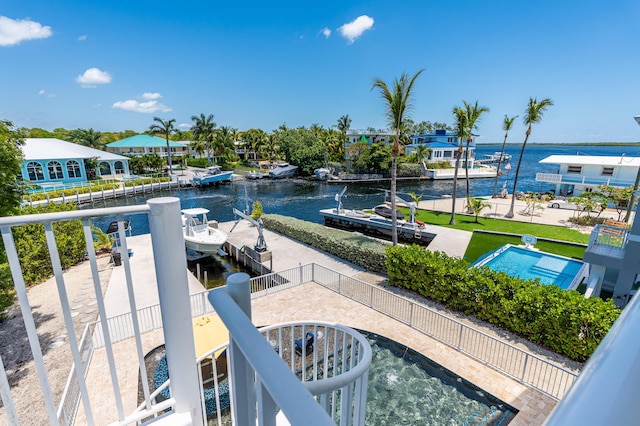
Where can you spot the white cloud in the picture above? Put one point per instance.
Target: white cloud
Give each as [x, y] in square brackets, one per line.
[151, 96]
[144, 107]
[82, 37]
[185, 125]
[326, 32]
[43, 92]
[96, 106]
[13, 31]
[93, 76]
[354, 29]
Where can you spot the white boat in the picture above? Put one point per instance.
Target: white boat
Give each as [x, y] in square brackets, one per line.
[213, 174]
[255, 175]
[199, 234]
[282, 171]
[323, 173]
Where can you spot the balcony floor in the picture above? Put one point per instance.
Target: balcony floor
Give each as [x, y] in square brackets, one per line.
[314, 302]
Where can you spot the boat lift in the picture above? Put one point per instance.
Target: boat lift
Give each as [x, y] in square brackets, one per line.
[338, 199]
[261, 244]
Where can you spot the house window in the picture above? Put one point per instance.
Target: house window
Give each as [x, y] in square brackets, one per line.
[55, 170]
[574, 169]
[447, 154]
[119, 166]
[73, 169]
[34, 170]
[607, 171]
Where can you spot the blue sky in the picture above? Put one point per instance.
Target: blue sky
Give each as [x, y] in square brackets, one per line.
[114, 65]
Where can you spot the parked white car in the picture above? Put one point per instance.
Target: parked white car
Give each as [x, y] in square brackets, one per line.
[559, 203]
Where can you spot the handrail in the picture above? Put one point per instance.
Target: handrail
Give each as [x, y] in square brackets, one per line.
[250, 350]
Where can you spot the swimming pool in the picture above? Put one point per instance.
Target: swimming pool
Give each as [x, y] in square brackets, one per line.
[407, 388]
[531, 264]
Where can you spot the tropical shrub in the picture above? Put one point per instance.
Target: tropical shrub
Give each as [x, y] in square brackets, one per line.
[409, 170]
[33, 252]
[69, 192]
[563, 321]
[145, 181]
[358, 249]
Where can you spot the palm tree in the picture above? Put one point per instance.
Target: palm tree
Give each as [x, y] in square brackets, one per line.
[166, 128]
[398, 103]
[421, 152]
[204, 129]
[476, 205]
[460, 116]
[506, 126]
[533, 114]
[344, 123]
[473, 117]
[224, 142]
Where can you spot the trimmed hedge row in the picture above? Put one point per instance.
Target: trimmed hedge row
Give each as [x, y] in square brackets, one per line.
[145, 181]
[70, 192]
[563, 321]
[360, 250]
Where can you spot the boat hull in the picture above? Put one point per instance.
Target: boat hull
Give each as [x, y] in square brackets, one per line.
[208, 180]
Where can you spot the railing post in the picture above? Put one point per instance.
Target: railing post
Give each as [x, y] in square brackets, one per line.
[524, 367]
[171, 274]
[243, 396]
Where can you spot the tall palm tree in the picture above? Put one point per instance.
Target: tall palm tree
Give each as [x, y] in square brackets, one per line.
[506, 126]
[473, 117]
[533, 114]
[204, 129]
[224, 142]
[460, 116]
[398, 104]
[344, 123]
[166, 128]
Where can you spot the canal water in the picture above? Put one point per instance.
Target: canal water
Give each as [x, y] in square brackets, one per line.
[303, 198]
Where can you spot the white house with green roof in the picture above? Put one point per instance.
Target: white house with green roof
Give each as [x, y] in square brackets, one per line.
[146, 144]
[52, 162]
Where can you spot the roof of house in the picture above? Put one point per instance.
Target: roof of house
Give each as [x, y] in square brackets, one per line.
[593, 160]
[143, 141]
[57, 149]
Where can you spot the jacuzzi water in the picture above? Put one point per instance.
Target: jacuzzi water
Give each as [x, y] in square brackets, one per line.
[407, 388]
[531, 264]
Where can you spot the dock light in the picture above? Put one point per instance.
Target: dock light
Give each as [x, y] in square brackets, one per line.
[635, 185]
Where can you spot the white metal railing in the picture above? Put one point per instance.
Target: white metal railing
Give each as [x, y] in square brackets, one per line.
[169, 258]
[609, 240]
[582, 180]
[262, 383]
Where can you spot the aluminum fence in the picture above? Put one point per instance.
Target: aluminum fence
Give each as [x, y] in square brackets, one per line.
[523, 366]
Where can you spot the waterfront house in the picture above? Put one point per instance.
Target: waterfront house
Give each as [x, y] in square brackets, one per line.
[443, 147]
[579, 173]
[54, 162]
[369, 136]
[147, 144]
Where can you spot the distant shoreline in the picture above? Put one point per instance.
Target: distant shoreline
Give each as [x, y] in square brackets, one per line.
[563, 143]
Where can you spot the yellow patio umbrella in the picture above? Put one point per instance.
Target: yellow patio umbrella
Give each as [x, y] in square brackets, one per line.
[209, 332]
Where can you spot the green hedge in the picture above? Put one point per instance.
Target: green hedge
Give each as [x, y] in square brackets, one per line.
[409, 170]
[563, 321]
[70, 192]
[145, 181]
[360, 250]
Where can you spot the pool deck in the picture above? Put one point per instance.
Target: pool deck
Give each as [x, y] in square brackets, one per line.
[307, 302]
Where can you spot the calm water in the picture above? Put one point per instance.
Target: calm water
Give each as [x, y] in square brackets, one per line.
[304, 198]
[530, 265]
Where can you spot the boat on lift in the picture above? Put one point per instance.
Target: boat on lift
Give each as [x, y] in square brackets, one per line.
[282, 171]
[213, 174]
[200, 234]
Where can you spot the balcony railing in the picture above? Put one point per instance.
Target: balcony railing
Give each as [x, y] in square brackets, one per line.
[608, 240]
[582, 180]
[184, 406]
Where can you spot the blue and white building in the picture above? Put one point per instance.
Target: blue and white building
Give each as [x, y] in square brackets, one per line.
[50, 162]
[147, 144]
[443, 146]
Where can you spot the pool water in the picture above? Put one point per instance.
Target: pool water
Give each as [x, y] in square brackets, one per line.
[407, 388]
[531, 264]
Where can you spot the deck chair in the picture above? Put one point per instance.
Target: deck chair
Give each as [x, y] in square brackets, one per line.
[308, 344]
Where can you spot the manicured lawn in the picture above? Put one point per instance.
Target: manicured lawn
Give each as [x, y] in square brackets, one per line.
[467, 223]
[483, 243]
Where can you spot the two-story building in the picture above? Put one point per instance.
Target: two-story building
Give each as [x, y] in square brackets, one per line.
[54, 162]
[443, 146]
[579, 173]
[147, 144]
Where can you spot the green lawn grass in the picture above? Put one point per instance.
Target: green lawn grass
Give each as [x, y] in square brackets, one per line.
[481, 244]
[467, 223]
